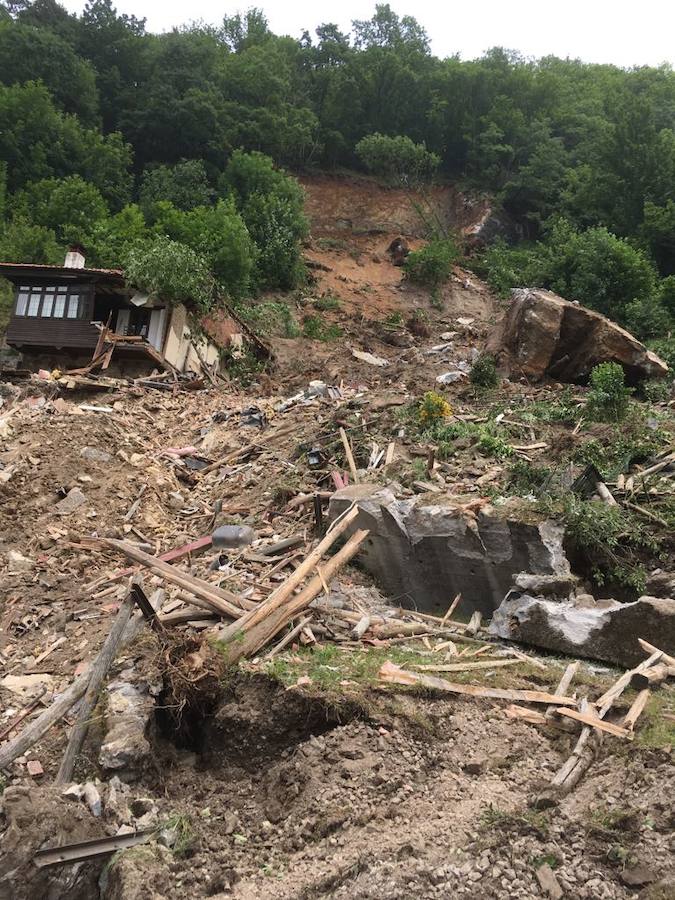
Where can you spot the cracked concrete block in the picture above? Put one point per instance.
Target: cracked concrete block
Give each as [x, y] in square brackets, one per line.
[423, 553]
[608, 631]
[125, 745]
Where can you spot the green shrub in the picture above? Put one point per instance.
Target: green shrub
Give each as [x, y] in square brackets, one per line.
[647, 318]
[316, 329]
[433, 408]
[398, 158]
[527, 478]
[657, 390]
[271, 205]
[270, 319]
[327, 302]
[609, 396]
[665, 348]
[484, 372]
[432, 265]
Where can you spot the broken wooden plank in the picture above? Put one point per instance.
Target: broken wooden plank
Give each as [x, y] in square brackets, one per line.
[573, 769]
[526, 715]
[615, 691]
[450, 610]
[595, 722]
[279, 616]
[288, 638]
[650, 648]
[279, 596]
[467, 666]
[653, 675]
[636, 710]
[564, 685]
[97, 675]
[170, 556]
[395, 675]
[221, 600]
[349, 455]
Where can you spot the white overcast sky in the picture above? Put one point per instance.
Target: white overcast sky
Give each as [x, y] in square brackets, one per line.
[623, 32]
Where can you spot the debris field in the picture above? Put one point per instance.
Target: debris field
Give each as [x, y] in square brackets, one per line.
[280, 640]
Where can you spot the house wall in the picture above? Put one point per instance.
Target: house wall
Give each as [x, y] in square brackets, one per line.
[178, 345]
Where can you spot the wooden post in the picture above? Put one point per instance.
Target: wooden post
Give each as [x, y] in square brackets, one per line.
[98, 673]
[349, 455]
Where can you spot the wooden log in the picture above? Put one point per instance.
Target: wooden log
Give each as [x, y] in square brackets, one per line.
[650, 648]
[221, 600]
[349, 455]
[169, 556]
[395, 675]
[279, 596]
[636, 710]
[40, 726]
[654, 675]
[594, 722]
[287, 638]
[258, 636]
[99, 670]
[467, 666]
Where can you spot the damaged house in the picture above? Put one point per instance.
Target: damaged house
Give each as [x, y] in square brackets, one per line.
[71, 315]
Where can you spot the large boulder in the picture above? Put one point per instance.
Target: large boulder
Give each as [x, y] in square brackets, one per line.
[606, 630]
[543, 335]
[423, 552]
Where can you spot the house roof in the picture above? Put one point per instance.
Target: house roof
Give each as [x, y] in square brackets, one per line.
[8, 270]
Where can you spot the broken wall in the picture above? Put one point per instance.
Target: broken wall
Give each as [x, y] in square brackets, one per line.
[423, 553]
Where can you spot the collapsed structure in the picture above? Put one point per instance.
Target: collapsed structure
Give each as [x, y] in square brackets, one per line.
[77, 315]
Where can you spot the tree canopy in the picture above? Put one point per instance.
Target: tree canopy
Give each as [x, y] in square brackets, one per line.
[151, 119]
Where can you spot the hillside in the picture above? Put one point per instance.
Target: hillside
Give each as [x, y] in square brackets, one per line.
[300, 770]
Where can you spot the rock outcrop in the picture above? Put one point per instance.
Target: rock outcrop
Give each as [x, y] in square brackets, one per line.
[605, 630]
[543, 335]
[423, 553]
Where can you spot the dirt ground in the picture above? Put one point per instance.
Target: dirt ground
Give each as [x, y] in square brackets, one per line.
[306, 777]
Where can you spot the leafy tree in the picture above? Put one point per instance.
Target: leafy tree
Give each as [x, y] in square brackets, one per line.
[172, 271]
[397, 158]
[70, 206]
[37, 141]
[271, 205]
[23, 242]
[239, 32]
[220, 235]
[185, 185]
[110, 240]
[38, 54]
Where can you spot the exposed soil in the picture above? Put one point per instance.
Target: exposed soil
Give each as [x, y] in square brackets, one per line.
[298, 792]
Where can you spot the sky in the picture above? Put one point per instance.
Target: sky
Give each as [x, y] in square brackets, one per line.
[622, 32]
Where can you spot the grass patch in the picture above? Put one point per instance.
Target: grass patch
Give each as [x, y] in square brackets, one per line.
[653, 731]
[327, 302]
[314, 328]
[524, 822]
[185, 834]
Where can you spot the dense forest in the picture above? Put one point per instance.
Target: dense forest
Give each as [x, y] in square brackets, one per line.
[132, 142]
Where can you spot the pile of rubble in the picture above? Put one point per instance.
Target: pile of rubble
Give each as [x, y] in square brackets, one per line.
[160, 542]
